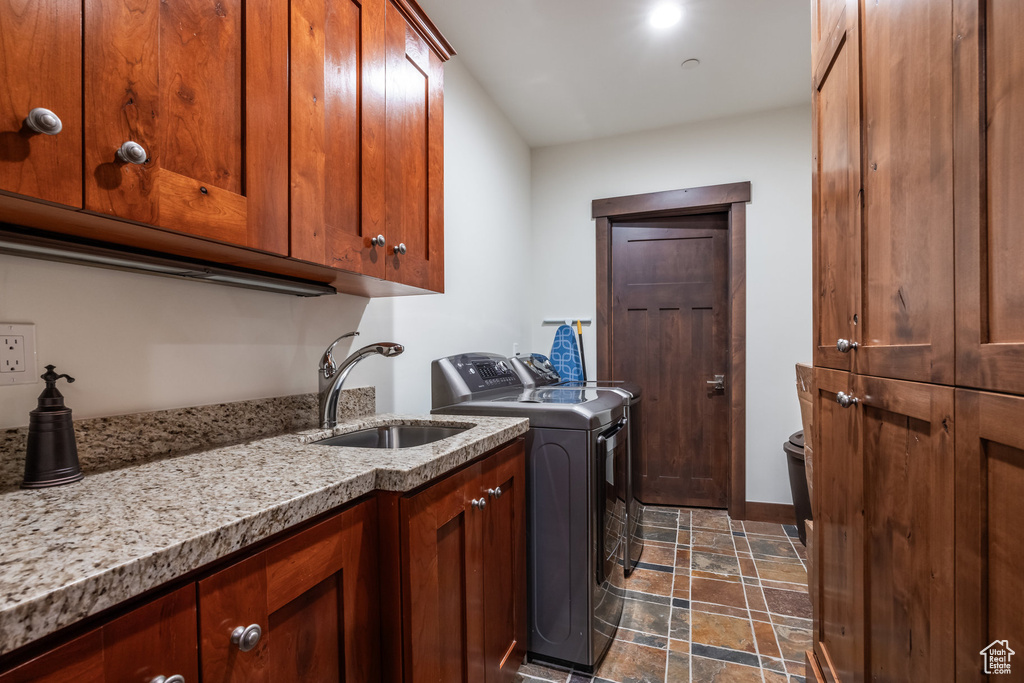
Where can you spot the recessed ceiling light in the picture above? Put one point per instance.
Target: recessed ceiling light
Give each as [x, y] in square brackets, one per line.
[691, 63]
[665, 15]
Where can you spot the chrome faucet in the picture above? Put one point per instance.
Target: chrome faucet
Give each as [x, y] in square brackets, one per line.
[332, 376]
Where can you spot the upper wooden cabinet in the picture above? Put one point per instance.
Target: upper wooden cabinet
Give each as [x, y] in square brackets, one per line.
[989, 82]
[184, 104]
[41, 69]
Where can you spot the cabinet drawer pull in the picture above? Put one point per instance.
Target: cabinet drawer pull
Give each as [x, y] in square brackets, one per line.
[378, 241]
[246, 637]
[43, 121]
[846, 400]
[132, 153]
[479, 504]
[495, 493]
[400, 249]
[176, 678]
[845, 345]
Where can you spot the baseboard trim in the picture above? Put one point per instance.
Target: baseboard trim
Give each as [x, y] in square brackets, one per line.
[776, 513]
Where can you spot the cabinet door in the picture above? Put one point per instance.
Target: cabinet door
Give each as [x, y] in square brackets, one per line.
[337, 133]
[41, 67]
[314, 597]
[504, 563]
[158, 639]
[989, 81]
[839, 529]
[80, 661]
[414, 181]
[906, 313]
[442, 581]
[989, 516]
[907, 441]
[201, 86]
[836, 186]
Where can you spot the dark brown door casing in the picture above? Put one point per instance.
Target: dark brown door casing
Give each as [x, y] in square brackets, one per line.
[671, 335]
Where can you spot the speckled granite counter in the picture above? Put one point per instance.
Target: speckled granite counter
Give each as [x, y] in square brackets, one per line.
[73, 551]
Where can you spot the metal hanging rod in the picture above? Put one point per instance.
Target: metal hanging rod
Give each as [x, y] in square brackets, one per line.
[567, 321]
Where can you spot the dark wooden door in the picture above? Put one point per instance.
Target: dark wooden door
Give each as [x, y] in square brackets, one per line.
[836, 186]
[989, 516]
[337, 133]
[906, 318]
[504, 558]
[907, 442]
[202, 86]
[443, 608]
[989, 80]
[157, 639]
[414, 180]
[670, 320]
[41, 67]
[315, 597]
[838, 529]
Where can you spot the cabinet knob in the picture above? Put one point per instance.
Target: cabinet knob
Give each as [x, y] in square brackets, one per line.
[378, 241]
[495, 493]
[845, 345]
[846, 400]
[43, 121]
[400, 249]
[176, 678]
[479, 504]
[132, 153]
[246, 637]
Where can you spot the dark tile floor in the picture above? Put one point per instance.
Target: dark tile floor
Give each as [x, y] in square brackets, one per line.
[712, 601]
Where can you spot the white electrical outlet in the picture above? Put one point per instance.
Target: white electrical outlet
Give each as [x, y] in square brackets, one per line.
[18, 354]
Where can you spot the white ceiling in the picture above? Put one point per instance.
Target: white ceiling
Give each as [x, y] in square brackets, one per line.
[567, 70]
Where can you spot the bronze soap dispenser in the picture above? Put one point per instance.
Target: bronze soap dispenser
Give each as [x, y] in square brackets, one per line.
[52, 457]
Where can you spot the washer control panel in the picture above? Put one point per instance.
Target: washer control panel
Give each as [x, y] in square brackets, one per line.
[482, 371]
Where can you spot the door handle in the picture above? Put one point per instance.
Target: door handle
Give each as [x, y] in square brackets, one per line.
[717, 384]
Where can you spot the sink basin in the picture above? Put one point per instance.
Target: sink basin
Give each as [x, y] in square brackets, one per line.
[394, 436]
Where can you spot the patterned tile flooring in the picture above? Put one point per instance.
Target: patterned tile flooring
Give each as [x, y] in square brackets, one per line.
[712, 601]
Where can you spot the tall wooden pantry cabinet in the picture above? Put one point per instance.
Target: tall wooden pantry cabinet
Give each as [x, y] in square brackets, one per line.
[919, 337]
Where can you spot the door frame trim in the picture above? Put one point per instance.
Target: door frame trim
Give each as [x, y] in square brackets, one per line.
[729, 198]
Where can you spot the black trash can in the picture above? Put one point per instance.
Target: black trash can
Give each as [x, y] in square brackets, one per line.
[794, 449]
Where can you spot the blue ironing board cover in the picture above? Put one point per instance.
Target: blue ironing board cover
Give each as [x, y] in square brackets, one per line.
[565, 354]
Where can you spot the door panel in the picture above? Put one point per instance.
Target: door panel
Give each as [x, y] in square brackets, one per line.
[836, 186]
[906, 317]
[157, 639]
[989, 513]
[415, 156]
[670, 310]
[989, 78]
[231, 598]
[41, 66]
[337, 133]
[180, 79]
[838, 529]
[908, 501]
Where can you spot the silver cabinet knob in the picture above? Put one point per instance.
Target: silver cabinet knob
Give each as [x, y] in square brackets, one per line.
[176, 678]
[846, 400]
[845, 345]
[495, 493]
[479, 504]
[378, 241]
[246, 637]
[400, 249]
[132, 153]
[43, 121]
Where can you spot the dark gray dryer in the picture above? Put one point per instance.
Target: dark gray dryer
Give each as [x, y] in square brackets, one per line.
[575, 449]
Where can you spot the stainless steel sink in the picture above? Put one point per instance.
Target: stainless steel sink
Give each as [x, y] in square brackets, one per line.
[394, 436]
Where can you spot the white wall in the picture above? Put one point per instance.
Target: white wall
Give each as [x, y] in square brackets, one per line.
[773, 151]
[139, 343]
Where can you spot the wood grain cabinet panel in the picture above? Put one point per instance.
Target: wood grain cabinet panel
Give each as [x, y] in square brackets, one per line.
[337, 133]
[989, 515]
[989, 81]
[414, 176]
[315, 598]
[201, 86]
[41, 67]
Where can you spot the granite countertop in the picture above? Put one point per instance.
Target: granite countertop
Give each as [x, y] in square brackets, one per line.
[72, 551]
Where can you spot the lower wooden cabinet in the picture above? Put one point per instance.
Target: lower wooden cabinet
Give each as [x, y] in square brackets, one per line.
[464, 573]
[884, 528]
[305, 609]
[157, 639]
